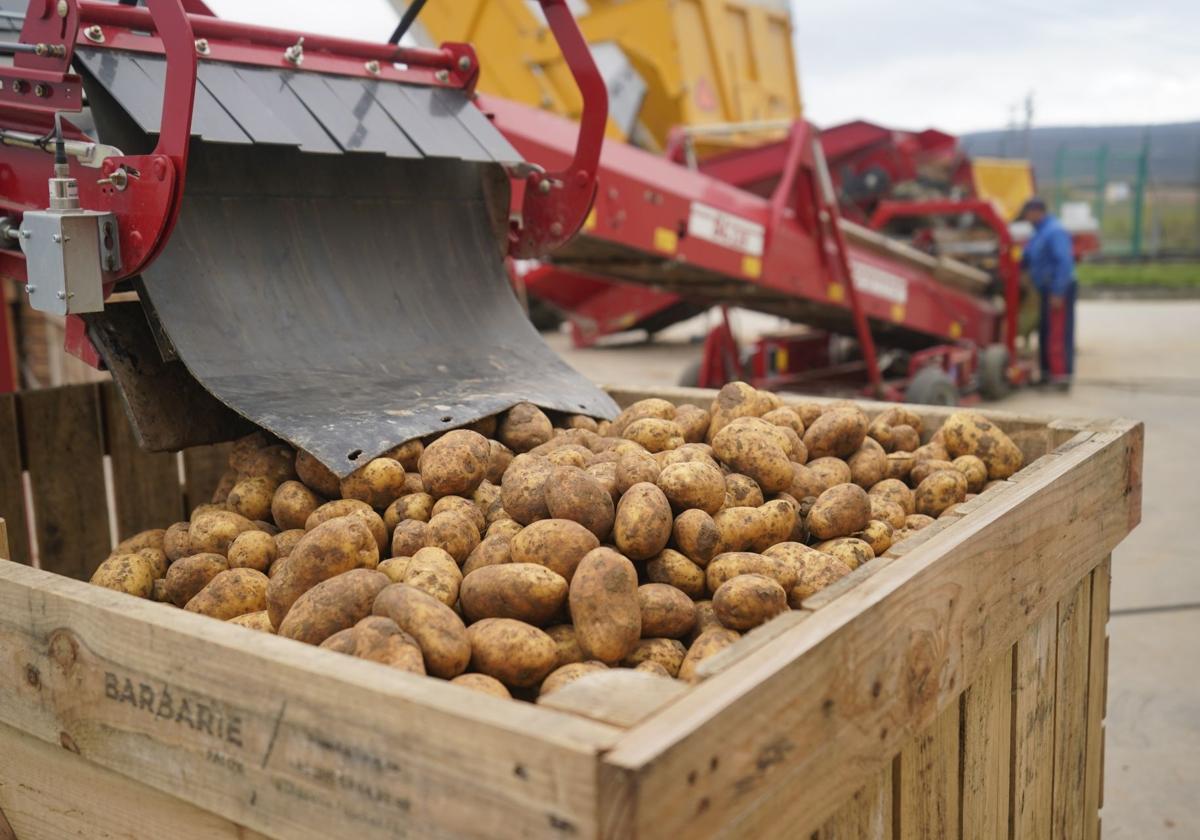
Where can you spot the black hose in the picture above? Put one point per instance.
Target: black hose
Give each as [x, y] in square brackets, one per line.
[406, 21]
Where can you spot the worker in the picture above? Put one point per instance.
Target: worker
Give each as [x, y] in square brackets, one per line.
[1050, 261]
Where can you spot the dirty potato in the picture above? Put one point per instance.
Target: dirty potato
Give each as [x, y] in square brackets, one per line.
[455, 463]
[895, 490]
[355, 509]
[333, 605]
[676, 570]
[752, 447]
[840, 510]
[939, 491]
[697, 536]
[566, 644]
[258, 620]
[433, 570]
[604, 605]
[709, 642]
[437, 629]
[654, 434]
[454, 532]
[523, 427]
[483, 684]
[643, 522]
[726, 566]
[418, 506]
[379, 639]
[850, 550]
[567, 674]
[292, 504]
[395, 568]
[525, 591]
[816, 571]
[693, 421]
[836, 433]
[515, 653]
[131, 573]
[253, 550]
[329, 549]
[573, 494]
[878, 534]
[868, 465]
[491, 551]
[214, 531]
[693, 484]
[231, 593]
[188, 575]
[557, 544]
[666, 653]
[667, 612]
[522, 490]
[316, 475]
[887, 511]
[746, 601]
[974, 469]
[969, 433]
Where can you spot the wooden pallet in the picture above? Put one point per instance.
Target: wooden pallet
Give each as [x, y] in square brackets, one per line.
[951, 688]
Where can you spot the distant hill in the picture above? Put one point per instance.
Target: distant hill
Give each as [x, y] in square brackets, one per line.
[1174, 150]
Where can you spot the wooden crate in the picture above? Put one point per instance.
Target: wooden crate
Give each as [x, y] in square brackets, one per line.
[951, 688]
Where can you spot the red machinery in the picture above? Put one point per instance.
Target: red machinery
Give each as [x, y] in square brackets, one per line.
[291, 223]
[760, 228]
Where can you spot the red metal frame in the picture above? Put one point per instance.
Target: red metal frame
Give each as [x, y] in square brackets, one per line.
[39, 85]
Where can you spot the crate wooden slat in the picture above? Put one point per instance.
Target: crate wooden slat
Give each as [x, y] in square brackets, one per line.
[956, 684]
[12, 487]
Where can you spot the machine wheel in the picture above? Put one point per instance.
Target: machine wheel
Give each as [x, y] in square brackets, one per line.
[993, 372]
[932, 386]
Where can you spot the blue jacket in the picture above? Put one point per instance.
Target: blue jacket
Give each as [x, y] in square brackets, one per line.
[1049, 257]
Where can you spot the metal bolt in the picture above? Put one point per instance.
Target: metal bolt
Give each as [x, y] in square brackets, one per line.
[30, 289]
[202, 46]
[544, 185]
[372, 67]
[464, 63]
[19, 86]
[61, 295]
[295, 53]
[41, 90]
[94, 34]
[442, 76]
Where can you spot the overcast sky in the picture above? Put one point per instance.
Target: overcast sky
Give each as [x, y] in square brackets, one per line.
[959, 65]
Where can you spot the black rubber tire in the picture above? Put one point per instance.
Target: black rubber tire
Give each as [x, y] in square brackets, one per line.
[931, 386]
[993, 372]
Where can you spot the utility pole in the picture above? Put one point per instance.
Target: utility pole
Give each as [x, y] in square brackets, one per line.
[1028, 125]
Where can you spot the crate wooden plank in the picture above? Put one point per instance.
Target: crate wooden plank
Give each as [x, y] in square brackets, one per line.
[1097, 690]
[48, 793]
[867, 815]
[202, 469]
[927, 781]
[146, 487]
[1070, 711]
[12, 488]
[1033, 729]
[986, 751]
[853, 681]
[64, 453]
[752, 640]
[618, 696]
[284, 738]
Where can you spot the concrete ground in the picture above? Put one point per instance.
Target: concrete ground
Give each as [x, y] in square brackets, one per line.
[1136, 359]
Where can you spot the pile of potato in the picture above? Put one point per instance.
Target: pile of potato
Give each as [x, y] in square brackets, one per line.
[514, 556]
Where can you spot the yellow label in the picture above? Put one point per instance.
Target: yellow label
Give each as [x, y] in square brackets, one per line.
[751, 266]
[837, 291]
[781, 359]
[955, 329]
[590, 222]
[897, 312]
[666, 240]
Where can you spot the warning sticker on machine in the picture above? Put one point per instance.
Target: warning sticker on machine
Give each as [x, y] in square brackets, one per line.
[872, 280]
[726, 230]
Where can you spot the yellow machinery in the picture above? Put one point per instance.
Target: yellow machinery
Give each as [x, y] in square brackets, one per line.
[1008, 183]
[666, 62]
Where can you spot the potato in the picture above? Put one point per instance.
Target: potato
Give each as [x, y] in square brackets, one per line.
[651, 407]
[974, 469]
[651, 667]
[666, 653]
[329, 549]
[251, 497]
[151, 538]
[243, 449]
[785, 416]
[693, 485]
[674, 569]
[213, 532]
[434, 571]
[634, 467]
[453, 532]
[667, 612]
[654, 434]
[643, 522]
[707, 643]
[688, 453]
[379, 639]
[887, 511]
[504, 527]
[455, 463]
[437, 629]
[969, 433]
[746, 601]
[850, 550]
[515, 653]
[742, 491]
[604, 604]
[895, 490]
[158, 592]
[900, 464]
[483, 684]
[837, 433]
[522, 490]
[840, 510]
[410, 536]
[316, 475]
[342, 642]
[231, 593]
[413, 483]
[491, 551]
[776, 521]
[932, 450]
[466, 507]
[408, 454]
[557, 544]
[739, 527]
[706, 620]
[735, 400]
[418, 506]
[697, 536]
[579, 421]
[917, 521]
[939, 491]
[605, 474]
[523, 427]
[566, 674]
[878, 534]
[731, 564]
[355, 508]
[524, 591]
[830, 471]
[817, 570]
[285, 541]
[753, 447]
[569, 455]
[395, 568]
[923, 469]
[176, 542]
[886, 429]
[807, 482]
[333, 605]
[275, 461]
[258, 620]
[566, 644]
[131, 573]
[868, 465]
[693, 421]
[188, 575]
[253, 550]
[574, 495]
